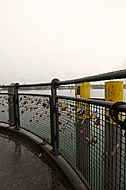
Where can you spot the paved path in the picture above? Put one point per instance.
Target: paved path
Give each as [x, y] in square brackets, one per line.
[22, 169]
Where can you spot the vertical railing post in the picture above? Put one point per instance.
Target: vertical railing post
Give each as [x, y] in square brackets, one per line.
[16, 107]
[112, 169]
[53, 117]
[11, 105]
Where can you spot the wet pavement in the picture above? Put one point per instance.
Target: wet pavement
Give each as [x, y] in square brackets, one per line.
[23, 168]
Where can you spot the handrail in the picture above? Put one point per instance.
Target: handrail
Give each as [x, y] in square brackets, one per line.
[31, 85]
[97, 102]
[31, 94]
[120, 74]
[27, 85]
[100, 77]
[6, 86]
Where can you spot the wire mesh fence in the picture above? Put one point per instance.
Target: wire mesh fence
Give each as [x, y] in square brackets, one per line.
[89, 140]
[35, 114]
[6, 102]
[83, 131]
[93, 144]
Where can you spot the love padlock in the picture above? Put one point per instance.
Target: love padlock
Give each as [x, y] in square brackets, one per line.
[69, 113]
[63, 107]
[88, 141]
[93, 116]
[94, 140]
[97, 121]
[104, 156]
[113, 152]
[59, 114]
[59, 122]
[82, 131]
[62, 129]
[82, 111]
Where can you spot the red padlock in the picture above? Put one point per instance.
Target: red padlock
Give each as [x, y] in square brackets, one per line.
[59, 122]
[69, 113]
[82, 131]
[88, 141]
[59, 114]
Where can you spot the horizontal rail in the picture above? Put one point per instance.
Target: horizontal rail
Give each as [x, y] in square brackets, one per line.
[31, 94]
[31, 85]
[6, 86]
[100, 77]
[27, 85]
[96, 102]
[2, 93]
[89, 101]
[120, 74]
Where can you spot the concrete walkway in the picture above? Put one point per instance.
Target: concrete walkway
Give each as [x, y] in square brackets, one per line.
[23, 168]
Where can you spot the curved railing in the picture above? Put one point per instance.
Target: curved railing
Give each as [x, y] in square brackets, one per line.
[79, 129]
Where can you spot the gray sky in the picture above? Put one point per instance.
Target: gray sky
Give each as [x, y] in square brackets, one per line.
[44, 39]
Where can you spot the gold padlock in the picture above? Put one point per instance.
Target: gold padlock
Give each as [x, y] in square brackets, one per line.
[113, 152]
[94, 140]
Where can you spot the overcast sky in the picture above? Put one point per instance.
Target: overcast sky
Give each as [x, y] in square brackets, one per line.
[44, 39]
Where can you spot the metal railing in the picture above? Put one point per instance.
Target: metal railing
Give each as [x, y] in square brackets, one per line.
[94, 146]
